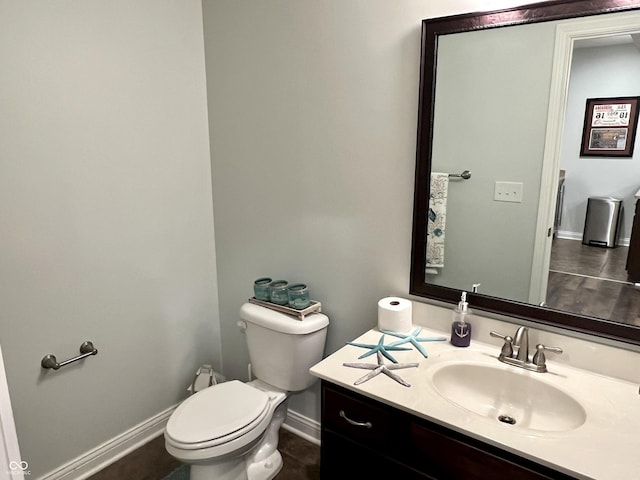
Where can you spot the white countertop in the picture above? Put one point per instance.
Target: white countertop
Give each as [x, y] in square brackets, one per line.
[605, 447]
[637, 194]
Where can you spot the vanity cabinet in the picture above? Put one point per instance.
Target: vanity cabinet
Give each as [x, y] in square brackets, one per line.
[633, 256]
[363, 437]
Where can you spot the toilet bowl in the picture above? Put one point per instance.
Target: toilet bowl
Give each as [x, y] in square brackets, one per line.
[230, 431]
[227, 431]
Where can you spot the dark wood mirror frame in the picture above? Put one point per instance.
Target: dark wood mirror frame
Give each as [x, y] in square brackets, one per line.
[431, 30]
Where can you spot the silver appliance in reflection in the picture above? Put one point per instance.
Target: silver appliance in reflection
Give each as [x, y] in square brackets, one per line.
[602, 222]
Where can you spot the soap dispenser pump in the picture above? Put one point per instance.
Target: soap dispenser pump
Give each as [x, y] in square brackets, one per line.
[460, 328]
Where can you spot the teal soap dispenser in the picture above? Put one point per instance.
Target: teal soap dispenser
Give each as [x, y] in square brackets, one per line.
[460, 328]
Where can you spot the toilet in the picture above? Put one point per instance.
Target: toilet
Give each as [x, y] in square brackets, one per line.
[230, 431]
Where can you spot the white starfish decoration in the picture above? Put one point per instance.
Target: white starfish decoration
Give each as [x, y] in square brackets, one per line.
[380, 368]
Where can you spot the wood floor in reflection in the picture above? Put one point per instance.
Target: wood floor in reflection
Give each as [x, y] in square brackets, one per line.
[592, 281]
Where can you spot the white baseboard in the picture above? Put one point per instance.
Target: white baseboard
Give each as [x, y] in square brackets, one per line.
[566, 235]
[109, 452]
[104, 455]
[303, 427]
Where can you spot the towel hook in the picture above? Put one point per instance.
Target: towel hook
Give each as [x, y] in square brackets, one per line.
[86, 349]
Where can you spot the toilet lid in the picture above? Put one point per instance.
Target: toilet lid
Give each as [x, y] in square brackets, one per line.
[216, 412]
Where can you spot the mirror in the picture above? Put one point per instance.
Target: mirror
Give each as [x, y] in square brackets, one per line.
[510, 133]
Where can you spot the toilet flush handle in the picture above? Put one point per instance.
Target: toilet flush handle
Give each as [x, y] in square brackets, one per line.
[242, 325]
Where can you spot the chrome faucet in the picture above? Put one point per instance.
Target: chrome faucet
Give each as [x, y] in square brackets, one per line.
[521, 342]
[515, 351]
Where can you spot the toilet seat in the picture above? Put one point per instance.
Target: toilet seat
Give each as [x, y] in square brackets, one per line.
[217, 415]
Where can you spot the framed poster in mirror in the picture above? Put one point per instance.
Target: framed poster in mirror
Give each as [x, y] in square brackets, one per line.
[609, 127]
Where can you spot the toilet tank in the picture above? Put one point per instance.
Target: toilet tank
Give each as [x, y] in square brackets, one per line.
[282, 348]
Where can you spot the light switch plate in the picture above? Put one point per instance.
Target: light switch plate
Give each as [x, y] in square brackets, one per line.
[508, 192]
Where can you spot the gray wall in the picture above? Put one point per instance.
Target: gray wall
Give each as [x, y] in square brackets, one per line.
[591, 77]
[492, 97]
[106, 216]
[313, 109]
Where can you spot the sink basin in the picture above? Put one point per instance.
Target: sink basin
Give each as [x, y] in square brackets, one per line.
[516, 398]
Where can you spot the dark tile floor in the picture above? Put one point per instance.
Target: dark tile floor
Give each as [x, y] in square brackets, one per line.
[152, 462]
[592, 281]
[301, 458]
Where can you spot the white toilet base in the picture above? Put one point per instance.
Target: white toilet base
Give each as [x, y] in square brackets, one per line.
[262, 462]
[266, 469]
[265, 461]
[232, 469]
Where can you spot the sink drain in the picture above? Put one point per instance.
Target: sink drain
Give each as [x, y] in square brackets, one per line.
[507, 419]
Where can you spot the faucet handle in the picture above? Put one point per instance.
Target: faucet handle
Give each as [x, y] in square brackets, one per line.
[539, 358]
[507, 348]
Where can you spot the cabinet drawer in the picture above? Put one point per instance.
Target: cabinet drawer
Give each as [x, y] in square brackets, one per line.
[362, 422]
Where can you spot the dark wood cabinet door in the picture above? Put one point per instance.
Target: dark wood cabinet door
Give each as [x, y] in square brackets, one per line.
[342, 458]
[451, 459]
[633, 257]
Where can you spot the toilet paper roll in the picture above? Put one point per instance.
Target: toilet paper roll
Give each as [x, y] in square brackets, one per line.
[394, 314]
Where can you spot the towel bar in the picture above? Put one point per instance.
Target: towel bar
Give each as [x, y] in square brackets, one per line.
[50, 361]
[466, 175]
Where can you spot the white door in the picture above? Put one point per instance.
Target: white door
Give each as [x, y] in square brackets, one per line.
[12, 467]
